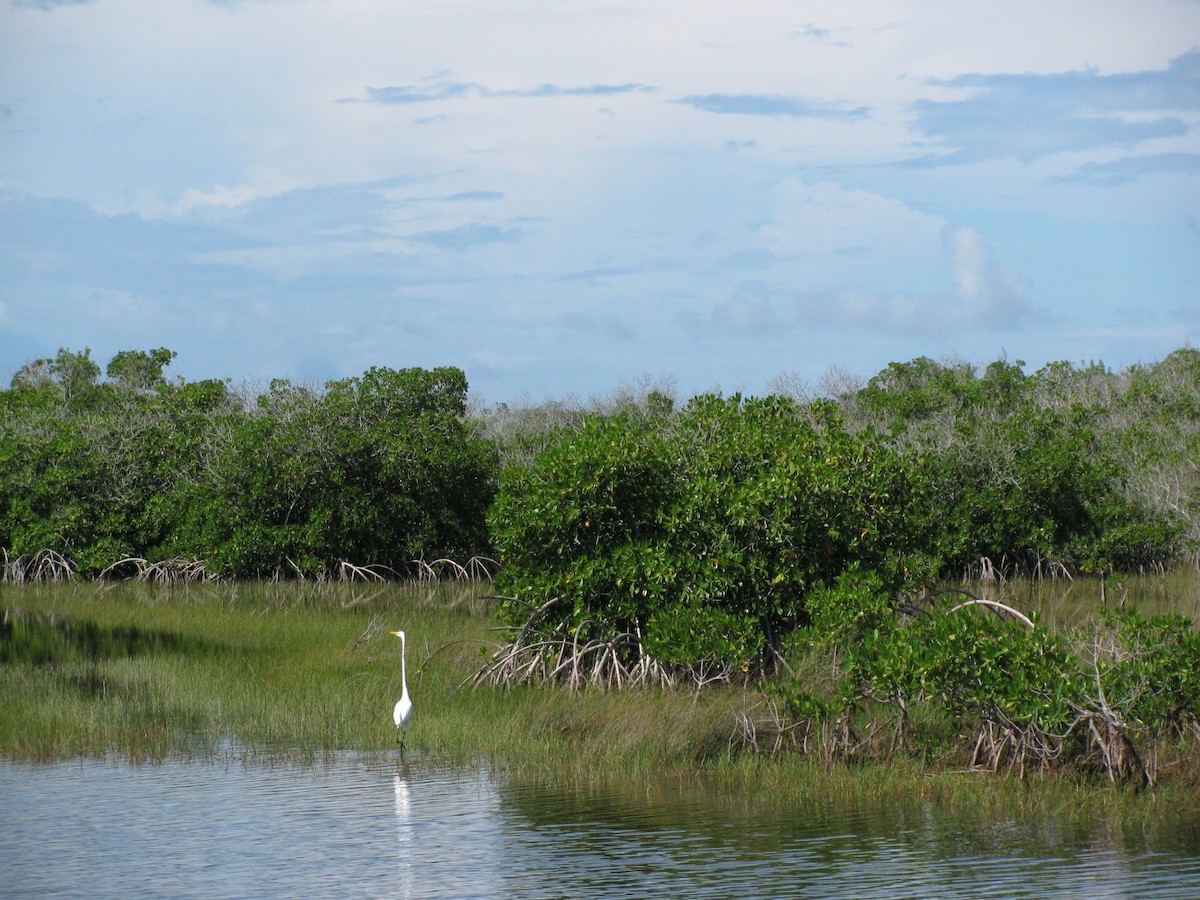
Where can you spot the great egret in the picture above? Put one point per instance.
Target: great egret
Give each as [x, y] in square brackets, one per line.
[403, 711]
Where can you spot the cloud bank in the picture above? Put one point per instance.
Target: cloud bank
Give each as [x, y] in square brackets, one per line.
[559, 198]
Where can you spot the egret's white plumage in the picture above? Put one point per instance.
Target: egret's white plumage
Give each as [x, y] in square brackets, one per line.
[403, 711]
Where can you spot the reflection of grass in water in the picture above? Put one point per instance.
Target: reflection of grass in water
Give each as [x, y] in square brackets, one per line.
[45, 638]
[301, 668]
[80, 686]
[788, 798]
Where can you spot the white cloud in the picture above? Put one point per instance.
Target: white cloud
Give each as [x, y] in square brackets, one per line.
[832, 236]
[866, 312]
[122, 306]
[749, 311]
[825, 218]
[526, 180]
[223, 197]
[964, 289]
[987, 294]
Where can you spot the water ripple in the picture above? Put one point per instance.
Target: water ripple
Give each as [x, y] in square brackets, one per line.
[372, 826]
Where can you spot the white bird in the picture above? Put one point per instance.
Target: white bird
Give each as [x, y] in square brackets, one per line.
[403, 711]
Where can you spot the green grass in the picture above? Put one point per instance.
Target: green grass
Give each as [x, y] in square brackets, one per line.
[300, 669]
[282, 667]
[1062, 604]
[307, 668]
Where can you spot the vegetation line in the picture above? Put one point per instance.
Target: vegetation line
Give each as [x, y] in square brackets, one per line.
[770, 563]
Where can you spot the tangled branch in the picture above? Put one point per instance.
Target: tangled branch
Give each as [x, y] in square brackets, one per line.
[42, 565]
[577, 657]
[164, 571]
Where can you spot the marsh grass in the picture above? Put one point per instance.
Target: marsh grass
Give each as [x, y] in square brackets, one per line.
[281, 666]
[1064, 603]
[149, 671]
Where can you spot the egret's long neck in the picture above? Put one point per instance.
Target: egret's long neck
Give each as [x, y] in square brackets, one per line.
[403, 677]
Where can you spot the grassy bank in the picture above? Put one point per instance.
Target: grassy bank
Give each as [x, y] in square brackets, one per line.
[149, 672]
[152, 671]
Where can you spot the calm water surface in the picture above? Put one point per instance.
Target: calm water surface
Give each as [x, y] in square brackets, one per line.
[372, 826]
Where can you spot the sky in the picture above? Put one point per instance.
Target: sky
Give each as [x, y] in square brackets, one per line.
[561, 198]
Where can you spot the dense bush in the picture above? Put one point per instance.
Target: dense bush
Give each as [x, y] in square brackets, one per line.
[380, 469]
[1070, 469]
[1007, 693]
[80, 461]
[701, 533]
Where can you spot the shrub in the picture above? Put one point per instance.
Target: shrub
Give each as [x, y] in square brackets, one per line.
[702, 533]
[380, 469]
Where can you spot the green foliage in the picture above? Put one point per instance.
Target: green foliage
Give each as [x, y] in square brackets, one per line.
[584, 520]
[931, 466]
[1147, 671]
[69, 377]
[906, 394]
[381, 469]
[137, 370]
[725, 517]
[376, 470]
[1039, 473]
[854, 606]
[979, 665]
[1109, 694]
[741, 515]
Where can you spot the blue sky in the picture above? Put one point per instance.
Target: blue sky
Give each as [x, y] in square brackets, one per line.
[562, 197]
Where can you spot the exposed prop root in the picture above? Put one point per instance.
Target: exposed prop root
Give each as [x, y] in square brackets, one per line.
[477, 568]
[165, 571]
[42, 565]
[998, 607]
[577, 657]
[350, 572]
[922, 606]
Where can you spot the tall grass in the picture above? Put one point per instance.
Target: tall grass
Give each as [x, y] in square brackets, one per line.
[285, 667]
[1065, 603]
[305, 668]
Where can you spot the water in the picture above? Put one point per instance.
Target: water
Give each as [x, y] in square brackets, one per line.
[372, 826]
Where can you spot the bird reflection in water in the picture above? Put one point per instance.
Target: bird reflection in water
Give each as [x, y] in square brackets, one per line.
[405, 857]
